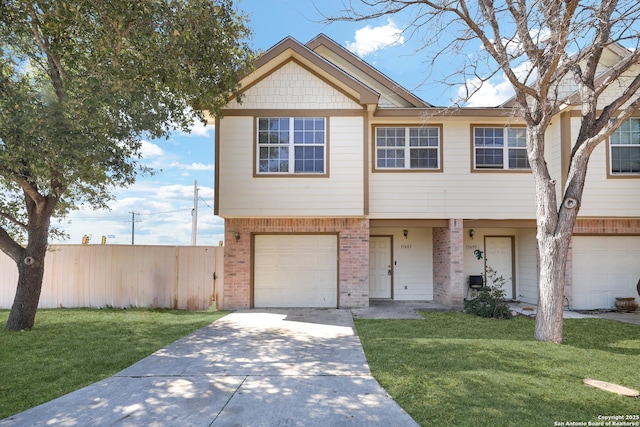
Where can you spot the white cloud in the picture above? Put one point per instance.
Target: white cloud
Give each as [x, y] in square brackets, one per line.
[486, 94]
[514, 45]
[149, 149]
[192, 167]
[198, 129]
[176, 191]
[371, 39]
[496, 91]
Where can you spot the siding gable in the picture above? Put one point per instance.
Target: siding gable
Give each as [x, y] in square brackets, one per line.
[392, 95]
[292, 86]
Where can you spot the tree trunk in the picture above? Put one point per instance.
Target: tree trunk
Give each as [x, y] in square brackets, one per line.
[553, 259]
[25, 303]
[555, 231]
[31, 267]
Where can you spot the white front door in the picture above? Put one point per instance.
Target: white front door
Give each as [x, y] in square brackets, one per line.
[380, 267]
[499, 258]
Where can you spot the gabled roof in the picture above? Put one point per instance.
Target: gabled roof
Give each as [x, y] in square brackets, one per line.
[290, 49]
[323, 41]
[616, 48]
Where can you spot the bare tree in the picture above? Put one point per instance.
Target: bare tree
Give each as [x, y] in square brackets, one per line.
[562, 42]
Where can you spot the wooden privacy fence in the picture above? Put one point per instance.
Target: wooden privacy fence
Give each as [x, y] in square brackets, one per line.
[180, 277]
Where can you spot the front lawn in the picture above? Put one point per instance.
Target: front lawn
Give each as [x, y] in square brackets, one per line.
[461, 370]
[71, 348]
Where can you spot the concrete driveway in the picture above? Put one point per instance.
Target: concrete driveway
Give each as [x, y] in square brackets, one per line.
[299, 367]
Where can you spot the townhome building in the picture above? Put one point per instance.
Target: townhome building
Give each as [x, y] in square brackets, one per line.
[338, 186]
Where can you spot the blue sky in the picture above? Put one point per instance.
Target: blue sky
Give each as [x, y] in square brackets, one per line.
[163, 203]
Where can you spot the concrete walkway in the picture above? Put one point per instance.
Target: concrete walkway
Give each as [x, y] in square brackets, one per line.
[299, 367]
[531, 310]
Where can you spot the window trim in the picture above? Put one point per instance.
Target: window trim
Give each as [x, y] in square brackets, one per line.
[472, 153]
[299, 115]
[619, 175]
[374, 155]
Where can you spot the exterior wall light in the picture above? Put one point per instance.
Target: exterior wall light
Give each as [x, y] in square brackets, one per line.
[237, 236]
[405, 233]
[471, 233]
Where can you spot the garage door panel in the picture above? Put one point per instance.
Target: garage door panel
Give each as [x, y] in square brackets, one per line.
[307, 262]
[326, 258]
[604, 267]
[270, 299]
[295, 271]
[283, 261]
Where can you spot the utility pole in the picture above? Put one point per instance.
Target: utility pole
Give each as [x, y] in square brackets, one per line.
[194, 214]
[133, 225]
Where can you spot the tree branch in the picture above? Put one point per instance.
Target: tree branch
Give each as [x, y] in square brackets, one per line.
[617, 70]
[10, 247]
[26, 186]
[55, 69]
[13, 220]
[600, 40]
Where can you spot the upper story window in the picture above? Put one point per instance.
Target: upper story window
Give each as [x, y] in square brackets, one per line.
[291, 145]
[625, 148]
[500, 148]
[408, 148]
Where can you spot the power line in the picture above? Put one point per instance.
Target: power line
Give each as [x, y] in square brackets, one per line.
[137, 213]
[166, 212]
[106, 215]
[205, 202]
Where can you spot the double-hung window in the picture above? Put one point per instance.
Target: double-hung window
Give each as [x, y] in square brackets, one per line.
[291, 145]
[407, 148]
[625, 148]
[500, 148]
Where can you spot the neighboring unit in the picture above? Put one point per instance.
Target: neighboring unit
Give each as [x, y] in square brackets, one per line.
[338, 186]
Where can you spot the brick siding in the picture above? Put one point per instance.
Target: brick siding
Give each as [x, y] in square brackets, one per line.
[448, 264]
[607, 226]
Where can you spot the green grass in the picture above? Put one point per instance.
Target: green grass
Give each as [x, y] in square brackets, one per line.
[461, 370]
[71, 348]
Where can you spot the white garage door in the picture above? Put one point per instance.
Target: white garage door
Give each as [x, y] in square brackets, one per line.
[604, 268]
[295, 271]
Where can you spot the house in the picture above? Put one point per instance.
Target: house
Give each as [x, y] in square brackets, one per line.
[338, 186]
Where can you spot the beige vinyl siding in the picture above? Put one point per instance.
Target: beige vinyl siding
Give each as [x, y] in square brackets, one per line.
[553, 152]
[456, 192]
[293, 87]
[614, 91]
[569, 87]
[339, 194]
[527, 265]
[605, 196]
